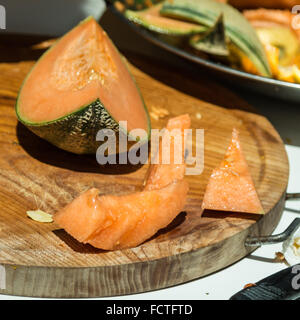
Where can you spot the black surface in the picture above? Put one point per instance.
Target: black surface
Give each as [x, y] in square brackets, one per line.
[283, 285]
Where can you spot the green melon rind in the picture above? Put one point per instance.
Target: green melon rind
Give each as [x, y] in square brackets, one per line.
[76, 132]
[137, 4]
[136, 17]
[206, 12]
[213, 42]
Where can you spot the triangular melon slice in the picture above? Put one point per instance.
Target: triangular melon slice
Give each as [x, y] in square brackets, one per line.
[230, 187]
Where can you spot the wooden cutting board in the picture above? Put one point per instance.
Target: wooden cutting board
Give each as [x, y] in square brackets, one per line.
[43, 260]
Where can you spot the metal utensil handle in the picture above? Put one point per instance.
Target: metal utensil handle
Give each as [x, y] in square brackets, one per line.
[292, 196]
[259, 241]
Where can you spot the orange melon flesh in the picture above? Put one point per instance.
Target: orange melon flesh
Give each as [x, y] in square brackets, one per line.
[230, 187]
[140, 216]
[81, 67]
[115, 222]
[160, 175]
[81, 217]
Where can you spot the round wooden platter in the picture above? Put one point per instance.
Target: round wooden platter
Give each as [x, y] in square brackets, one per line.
[42, 260]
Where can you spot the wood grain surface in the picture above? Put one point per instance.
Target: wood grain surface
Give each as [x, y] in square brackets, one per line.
[44, 261]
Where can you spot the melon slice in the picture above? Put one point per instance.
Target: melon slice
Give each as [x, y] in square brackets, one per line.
[151, 19]
[159, 174]
[113, 222]
[79, 86]
[237, 29]
[230, 187]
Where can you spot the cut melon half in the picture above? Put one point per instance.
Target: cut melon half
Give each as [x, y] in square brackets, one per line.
[230, 187]
[79, 86]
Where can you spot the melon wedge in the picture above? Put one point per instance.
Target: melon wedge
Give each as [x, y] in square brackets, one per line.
[230, 187]
[151, 19]
[160, 175]
[113, 222]
[79, 86]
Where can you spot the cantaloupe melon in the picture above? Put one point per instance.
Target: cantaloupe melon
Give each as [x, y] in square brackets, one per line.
[160, 175]
[237, 28]
[151, 19]
[230, 187]
[79, 86]
[113, 222]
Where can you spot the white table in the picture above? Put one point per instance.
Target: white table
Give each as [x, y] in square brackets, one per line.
[223, 284]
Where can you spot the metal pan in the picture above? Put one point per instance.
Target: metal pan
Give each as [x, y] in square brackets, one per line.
[274, 88]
